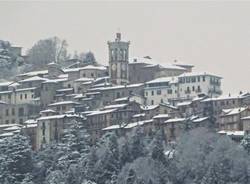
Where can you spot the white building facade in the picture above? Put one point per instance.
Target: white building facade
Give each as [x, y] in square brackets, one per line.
[183, 87]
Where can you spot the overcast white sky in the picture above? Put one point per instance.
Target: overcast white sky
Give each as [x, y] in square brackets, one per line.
[214, 36]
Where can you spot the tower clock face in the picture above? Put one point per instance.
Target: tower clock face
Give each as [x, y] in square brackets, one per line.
[113, 67]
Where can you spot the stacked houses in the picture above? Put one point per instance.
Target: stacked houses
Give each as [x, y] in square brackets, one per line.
[128, 93]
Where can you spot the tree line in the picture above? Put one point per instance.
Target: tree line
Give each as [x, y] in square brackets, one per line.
[200, 156]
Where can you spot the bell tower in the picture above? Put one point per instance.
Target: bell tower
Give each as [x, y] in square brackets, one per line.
[118, 61]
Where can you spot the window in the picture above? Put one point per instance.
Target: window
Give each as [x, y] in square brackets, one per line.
[64, 107]
[199, 89]
[146, 93]
[0, 97]
[170, 91]
[13, 111]
[43, 128]
[21, 96]
[161, 100]
[188, 79]
[7, 112]
[58, 108]
[131, 92]
[13, 121]
[92, 75]
[84, 74]
[193, 79]
[188, 90]
[198, 78]
[118, 95]
[152, 93]
[21, 111]
[204, 78]
[9, 96]
[152, 102]
[25, 96]
[69, 86]
[7, 122]
[158, 92]
[193, 88]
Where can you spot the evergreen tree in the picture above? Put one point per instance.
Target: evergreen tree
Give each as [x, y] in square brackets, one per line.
[16, 159]
[246, 143]
[90, 170]
[158, 149]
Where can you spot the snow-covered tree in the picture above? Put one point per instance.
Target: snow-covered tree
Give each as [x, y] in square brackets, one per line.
[46, 51]
[227, 163]
[157, 152]
[189, 162]
[16, 159]
[246, 143]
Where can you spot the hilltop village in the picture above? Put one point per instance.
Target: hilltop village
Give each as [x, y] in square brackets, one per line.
[128, 93]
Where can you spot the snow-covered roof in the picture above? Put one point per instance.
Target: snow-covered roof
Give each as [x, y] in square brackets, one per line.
[55, 80]
[25, 89]
[246, 118]
[87, 83]
[183, 64]
[121, 99]
[14, 84]
[193, 74]
[102, 84]
[92, 93]
[115, 106]
[117, 87]
[175, 120]
[6, 83]
[159, 116]
[2, 102]
[226, 97]
[78, 96]
[5, 92]
[198, 120]
[65, 90]
[139, 123]
[172, 66]
[149, 62]
[163, 79]
[58, 117]
[30, 121]
[8, 134]
[62, 76]
[84, 79]
[148, 107]
[8, 125]
[88, 67]
[63, 103]
[232, 133]
[185, 103]
[92, 67]
[47, 110]
[139, 115]
[113, 127]
[12, 128]
[168, 105]
[33, 125]
[229, 112]
[32, 79]
[34, 73]
[101, 112]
